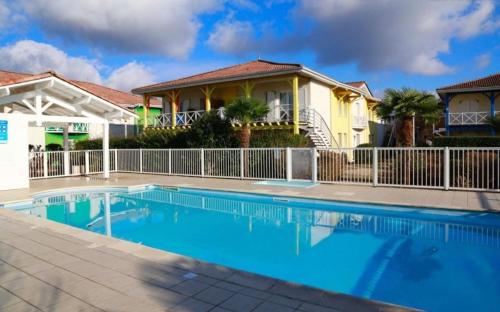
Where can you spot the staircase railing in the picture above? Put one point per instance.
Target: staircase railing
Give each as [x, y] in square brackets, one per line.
[316, 121]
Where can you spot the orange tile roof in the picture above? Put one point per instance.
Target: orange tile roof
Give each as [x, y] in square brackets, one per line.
[356, 84]
[240, 71]
[492, 81]
[120, 98]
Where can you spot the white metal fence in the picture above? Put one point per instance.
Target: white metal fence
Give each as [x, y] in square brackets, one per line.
[438, 168]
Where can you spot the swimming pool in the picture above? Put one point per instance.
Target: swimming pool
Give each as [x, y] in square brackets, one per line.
[437, 260]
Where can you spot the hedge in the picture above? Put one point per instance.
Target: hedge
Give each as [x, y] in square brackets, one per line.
[468, 141]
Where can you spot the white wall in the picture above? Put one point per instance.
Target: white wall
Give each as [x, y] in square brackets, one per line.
[320, 99]
[14, 159]
[36, 136]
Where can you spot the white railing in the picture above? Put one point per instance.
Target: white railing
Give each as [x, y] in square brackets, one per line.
[437, 168]
[359, 121]
[285, 114]
[469, 118]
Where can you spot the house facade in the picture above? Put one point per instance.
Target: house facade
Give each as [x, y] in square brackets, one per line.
[468, 105]
[332, 113]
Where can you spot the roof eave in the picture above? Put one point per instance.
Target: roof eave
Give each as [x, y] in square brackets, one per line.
[147, 90]
[459, 90]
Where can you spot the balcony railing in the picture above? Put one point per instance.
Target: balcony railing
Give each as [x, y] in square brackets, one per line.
[285, 114]
[469, 118]
[359, 122]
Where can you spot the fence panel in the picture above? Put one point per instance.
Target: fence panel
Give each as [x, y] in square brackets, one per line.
[411, 167]
[76, 163]
[222, 163]
[475, 168]
[186, 162]
[301, 163]
[155, 161]
[345, 165]
[128, 160]
[264, 163]
[96, 161]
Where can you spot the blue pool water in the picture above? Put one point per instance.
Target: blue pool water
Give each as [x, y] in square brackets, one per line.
[436, 260]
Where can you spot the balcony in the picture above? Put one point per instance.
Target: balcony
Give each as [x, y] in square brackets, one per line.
[185, 119]
[359, 122]
[469, 118]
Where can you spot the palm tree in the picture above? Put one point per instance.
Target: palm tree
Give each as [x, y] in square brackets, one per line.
[246, 110]
[403, 105]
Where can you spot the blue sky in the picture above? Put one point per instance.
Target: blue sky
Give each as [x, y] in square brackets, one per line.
[127, 43]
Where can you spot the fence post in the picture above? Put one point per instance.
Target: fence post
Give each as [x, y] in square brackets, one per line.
[140, 160]
[314, 170]
[66, 163]
[169, 161]
[87, 165]
[446, 168]
[45, 164]
[202, 162]
[116, 160]
[242, 165]
[375, 166]
[288, 164]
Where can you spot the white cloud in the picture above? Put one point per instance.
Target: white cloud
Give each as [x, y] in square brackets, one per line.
[129, 76]
[35, 57]
[4, 15]
[407, 35]
[232, 37]
[146, 26]
[483, 60]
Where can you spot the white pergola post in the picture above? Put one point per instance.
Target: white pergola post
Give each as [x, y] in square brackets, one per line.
[105, 149]
[66, 150]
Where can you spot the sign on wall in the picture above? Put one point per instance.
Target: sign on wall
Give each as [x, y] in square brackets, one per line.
[4, 131]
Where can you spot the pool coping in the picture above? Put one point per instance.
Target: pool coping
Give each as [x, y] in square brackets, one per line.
[266, 192]
[327, 299]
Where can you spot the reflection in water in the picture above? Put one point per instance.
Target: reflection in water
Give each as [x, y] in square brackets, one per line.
[410, 259]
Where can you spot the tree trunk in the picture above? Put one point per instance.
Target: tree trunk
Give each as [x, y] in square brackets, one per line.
[405, 135]
[245, 136]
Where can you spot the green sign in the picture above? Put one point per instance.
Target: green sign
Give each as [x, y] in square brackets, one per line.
[4, 131]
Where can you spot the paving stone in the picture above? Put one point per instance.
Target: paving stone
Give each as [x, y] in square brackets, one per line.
[12, 275]
[219, 309]
[228, 286]
[37, 267]
[6, 268]
[157, 294]
[190, 287]
[41, 295]
[7, 298]
[20, 307]
[240, 303]
[307, 307]
[255, 293]
[192, 305]
[285, 301]
[272, 307]
[214, 295]
[251, 280]
[58, 277]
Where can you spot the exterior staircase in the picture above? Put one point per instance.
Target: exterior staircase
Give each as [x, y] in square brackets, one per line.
[317, 129]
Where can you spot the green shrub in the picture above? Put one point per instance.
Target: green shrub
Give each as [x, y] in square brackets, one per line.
[470, 141]
[53, 147]
[96, 144]
[210, 131]
[278, 138]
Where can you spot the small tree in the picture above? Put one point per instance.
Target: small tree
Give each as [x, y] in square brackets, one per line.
[210, 131]
[245, 110]
[403, 105]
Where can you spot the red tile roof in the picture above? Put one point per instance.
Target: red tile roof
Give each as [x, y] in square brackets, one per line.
[240, 71]
[120, 98]
[356, 84]
[492, 81]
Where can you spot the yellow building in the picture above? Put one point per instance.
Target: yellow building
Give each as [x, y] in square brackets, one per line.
[332, 113]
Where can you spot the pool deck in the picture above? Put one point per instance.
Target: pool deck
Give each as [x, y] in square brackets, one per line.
[47, 266]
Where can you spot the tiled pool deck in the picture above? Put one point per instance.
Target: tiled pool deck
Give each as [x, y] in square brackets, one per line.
[53, 267]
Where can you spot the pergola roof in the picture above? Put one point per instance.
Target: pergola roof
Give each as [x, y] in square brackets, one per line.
[50, 98]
